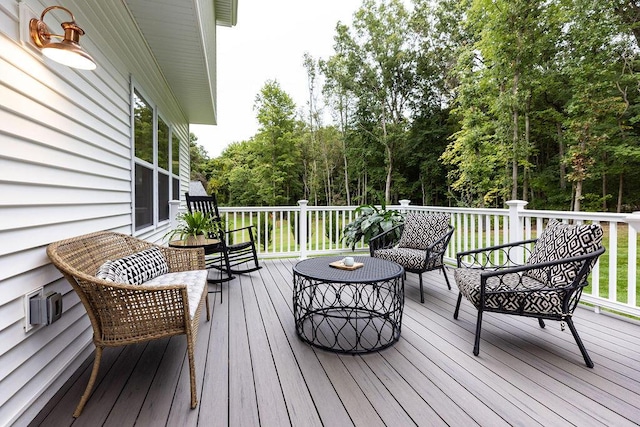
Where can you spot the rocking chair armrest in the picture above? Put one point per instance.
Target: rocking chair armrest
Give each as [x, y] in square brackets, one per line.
[386, 239]
[248, 227]
[482, 256]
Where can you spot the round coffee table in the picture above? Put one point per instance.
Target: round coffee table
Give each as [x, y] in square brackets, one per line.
[348, 311]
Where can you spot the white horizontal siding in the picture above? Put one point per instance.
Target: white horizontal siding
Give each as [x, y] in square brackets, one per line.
[65, 170]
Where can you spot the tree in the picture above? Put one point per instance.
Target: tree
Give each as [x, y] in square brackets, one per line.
[276, 146]
[380, 56]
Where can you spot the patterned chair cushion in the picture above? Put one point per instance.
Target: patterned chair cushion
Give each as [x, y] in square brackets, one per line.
[195, 280]
[134, 269]
[547, 301]
[412, 259]
[559, 241]
[422, 230]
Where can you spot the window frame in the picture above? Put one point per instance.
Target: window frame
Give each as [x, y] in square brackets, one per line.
[154, 167]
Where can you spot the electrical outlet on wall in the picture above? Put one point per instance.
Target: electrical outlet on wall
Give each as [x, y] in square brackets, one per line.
[39, 292]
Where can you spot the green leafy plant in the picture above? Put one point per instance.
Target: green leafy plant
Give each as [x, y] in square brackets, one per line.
[370, 222]
[193, 224]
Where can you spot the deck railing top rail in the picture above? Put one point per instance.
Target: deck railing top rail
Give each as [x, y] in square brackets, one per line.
[303, 230]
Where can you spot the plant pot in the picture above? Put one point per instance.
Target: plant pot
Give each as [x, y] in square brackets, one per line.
[195, 240]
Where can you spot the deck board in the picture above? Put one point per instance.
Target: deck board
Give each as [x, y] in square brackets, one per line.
[253, 370]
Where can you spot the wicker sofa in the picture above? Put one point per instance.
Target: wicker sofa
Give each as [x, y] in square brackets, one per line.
[124, 313]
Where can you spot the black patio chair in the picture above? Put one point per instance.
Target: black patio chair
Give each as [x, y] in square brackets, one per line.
[418, 245]
[548, 286]
[233, 257]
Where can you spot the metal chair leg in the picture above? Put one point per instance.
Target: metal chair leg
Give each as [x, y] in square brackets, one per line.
[476, 345]
[455, 313]
[421, 293]
[583, 350]
[446, 278]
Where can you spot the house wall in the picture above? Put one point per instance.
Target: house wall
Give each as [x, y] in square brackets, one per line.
[65, 170]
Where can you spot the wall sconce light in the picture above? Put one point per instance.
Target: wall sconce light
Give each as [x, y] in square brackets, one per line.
[68, 51]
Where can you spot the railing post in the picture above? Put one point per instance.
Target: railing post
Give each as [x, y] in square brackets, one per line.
[634, 220]
[634, 227]
[302, 228]
[404, 205]
[516, 223]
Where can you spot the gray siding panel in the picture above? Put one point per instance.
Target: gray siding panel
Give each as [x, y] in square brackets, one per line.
[65, 170]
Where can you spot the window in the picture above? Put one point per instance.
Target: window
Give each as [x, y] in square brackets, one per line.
[175, 166]
[143, 134]
[157, 164]
[163, 170]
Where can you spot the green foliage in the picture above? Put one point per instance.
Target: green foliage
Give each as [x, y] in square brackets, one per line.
[265, 219]
[370, 222]
[194, 224]
[463, 102]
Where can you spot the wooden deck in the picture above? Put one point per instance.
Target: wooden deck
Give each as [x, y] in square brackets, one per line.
[253, 370]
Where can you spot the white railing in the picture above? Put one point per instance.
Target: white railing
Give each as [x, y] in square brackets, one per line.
[281, 233]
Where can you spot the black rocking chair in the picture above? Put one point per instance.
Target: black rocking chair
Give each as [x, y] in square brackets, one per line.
[233, 258]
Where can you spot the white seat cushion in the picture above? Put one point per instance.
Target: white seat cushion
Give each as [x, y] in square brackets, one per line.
[195, 280]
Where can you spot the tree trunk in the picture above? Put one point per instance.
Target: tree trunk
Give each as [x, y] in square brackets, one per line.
[620, 188]
[563, 169]
[514, 160]
[578, 196]
[604, 192]
[525, 172]
[389, 154]
[345, 120]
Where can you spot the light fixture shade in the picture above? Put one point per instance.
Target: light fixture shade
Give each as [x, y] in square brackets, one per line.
[67, 52]
[70, 54]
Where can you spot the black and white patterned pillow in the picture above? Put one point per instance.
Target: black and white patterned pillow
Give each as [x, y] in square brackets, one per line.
[134, 269]
[111, 273]
[559, 241]
[422, 230]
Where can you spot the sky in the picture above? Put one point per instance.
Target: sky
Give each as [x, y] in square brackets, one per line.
[268, 43]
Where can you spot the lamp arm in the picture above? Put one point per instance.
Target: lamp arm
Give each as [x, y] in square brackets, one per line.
[44, 12]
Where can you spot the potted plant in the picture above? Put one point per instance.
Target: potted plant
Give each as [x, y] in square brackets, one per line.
[194, 227]
[370, 222]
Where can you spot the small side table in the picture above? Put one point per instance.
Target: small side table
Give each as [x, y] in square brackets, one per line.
[210, 246]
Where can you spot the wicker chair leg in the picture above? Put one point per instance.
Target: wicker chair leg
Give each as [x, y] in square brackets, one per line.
[446, 278]
[455, 313]
[206, 303]
[476, 345]
[192, 371]
[421, 293]
[541, 322]
[583, 350]
[92, 380]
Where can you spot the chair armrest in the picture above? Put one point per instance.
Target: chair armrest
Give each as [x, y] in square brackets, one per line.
[498, 256]
[250, 228]
[179, 259]
[585, 262]
[386, 239]
[439, 247]
[112, 309]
